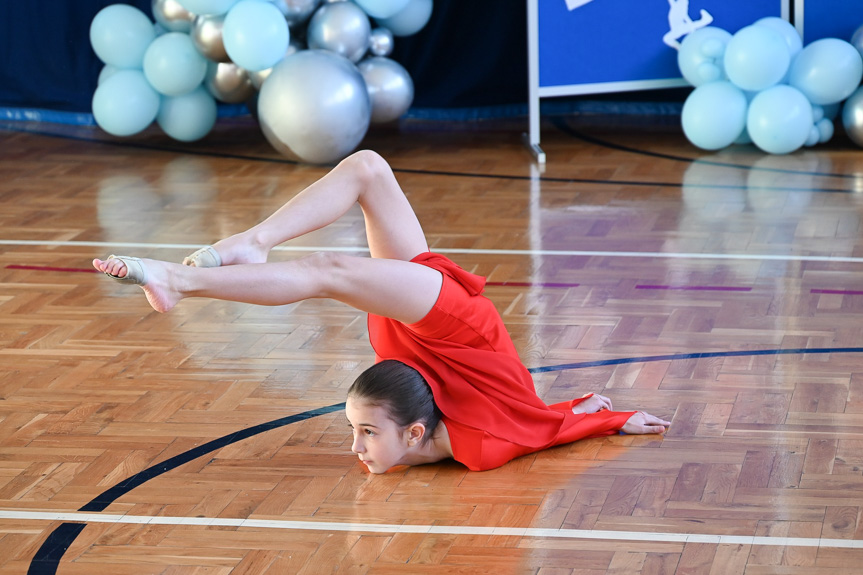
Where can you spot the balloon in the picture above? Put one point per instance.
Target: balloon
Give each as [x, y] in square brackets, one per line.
[296, 12]
[714, 115]
[120, 35]
[852, 116]
[779, 119]
[390, 88]
[785, 29]
[107, 71]
[382, 8]
[701, 55]
[825, 129]
[188, 117]
[206, 33]
[827, 71]
[256, 35]
[314, 106]
[228, 83]
[172, 64]
[381, 42]
[410, 19]
[756, 58]
[171, 15]
[125, 103]
[341, 27]
[208, 7]
[857, 39]
[258, 76]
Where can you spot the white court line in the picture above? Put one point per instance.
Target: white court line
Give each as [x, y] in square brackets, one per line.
[643, 536]
[551, 253]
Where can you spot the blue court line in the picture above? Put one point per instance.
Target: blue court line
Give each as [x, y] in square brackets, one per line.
[47, 558]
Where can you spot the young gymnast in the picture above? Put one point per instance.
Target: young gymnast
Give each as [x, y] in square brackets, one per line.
[447, 382]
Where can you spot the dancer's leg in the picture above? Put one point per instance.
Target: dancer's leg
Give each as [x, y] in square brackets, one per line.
[394, 288]
[392, 228]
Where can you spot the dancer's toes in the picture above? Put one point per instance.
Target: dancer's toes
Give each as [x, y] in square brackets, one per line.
[123, 268]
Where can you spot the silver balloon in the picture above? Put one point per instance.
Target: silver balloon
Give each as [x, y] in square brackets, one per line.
[852, 116]
[341, 27]
[206, 33]
[314, 106]
[390, 88]
[171, 15]
[297, 11]
[857, 39]
[381, 42]
[259, 76]
[228, 83]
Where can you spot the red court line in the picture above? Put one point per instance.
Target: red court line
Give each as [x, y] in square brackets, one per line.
[50, 269]
[531, 284]
[837, 291]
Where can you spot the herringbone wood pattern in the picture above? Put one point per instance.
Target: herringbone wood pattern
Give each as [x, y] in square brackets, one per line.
[94, 387]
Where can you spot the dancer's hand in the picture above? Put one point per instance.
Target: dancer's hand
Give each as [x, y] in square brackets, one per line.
[593, 403]
[642, 423]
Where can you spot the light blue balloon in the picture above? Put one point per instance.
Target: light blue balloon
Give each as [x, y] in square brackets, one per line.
[188, 117]
[120, 35]
[756, 58]
[827, 71]
[714, 115]
[255, 35]
[207, 7]
[107, 71]
[785, 29]
[382, 8]
[779, 119]
[410, 19]
[825, 130]
[173, 65]
[701, 55]
[125, 103]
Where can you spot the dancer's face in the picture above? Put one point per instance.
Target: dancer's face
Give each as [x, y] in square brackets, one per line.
[379, 442]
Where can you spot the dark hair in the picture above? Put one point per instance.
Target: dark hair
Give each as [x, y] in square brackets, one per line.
[402, 391]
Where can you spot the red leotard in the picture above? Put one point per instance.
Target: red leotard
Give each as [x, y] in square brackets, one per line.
[487, 397]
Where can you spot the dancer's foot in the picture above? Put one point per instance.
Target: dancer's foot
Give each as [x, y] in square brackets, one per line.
[155, 278]
[237, 249]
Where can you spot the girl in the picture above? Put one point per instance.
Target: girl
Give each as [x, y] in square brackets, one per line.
[447, 382]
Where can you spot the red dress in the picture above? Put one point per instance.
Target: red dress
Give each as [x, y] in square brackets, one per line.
[487, 396]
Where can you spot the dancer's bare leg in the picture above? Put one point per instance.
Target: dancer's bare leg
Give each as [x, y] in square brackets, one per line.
[385, 284]
[392, 228]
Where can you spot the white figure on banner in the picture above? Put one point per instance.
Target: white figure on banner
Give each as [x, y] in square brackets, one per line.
[573, 4]
[680, 22]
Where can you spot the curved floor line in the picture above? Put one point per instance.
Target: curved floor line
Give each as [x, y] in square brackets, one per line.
[565, 128]
[513, 177]
[47, 558]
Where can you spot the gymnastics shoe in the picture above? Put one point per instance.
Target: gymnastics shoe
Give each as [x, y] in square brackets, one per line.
[136, 273]
[206, 257]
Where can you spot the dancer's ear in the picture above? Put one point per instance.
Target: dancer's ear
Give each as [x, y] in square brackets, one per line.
[415, 432]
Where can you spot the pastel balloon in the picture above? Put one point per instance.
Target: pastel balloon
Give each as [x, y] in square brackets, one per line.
[188, 117]
[296, 12]
[173, 65]
[120, 35]
[208, 7]
[785, 29]
[381, 42]
[714, 115]
[410, 19]
[701, 55]
[825, 129]
[382, 8]
[125, 103]
[255, 34]
[756, 58]
[779, 120]
[827, 71]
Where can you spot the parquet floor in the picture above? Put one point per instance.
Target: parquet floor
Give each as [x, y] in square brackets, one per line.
[722, 291]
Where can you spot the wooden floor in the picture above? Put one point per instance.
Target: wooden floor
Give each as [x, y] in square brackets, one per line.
[722, 291]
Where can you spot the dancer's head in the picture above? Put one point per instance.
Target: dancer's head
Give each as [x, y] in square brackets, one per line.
[391, 409]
